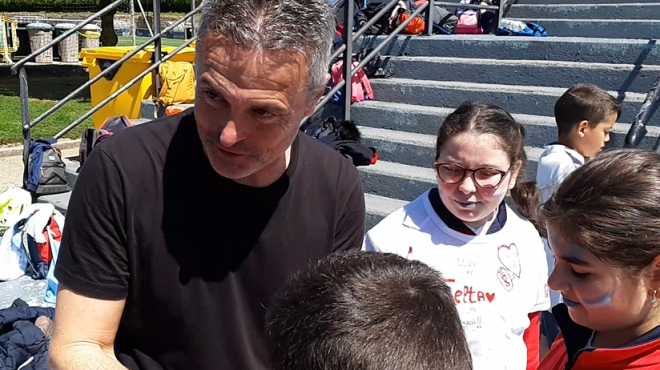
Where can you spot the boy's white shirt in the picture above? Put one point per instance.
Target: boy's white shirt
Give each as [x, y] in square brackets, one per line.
[496, 279]
[555, 164]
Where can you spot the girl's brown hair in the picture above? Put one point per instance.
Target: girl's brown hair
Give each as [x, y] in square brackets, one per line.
[492, 120]
[611, 207]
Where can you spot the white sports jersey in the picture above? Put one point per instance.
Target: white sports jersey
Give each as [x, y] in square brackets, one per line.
[497, 279]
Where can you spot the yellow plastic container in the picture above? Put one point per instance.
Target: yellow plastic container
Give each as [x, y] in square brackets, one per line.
[8, 39]
[129, 102]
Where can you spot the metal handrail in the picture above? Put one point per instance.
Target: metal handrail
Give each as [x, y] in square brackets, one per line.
[353, 71]
[158, 60]
[111, 68]
[127, 86]
[350, 36]
[19, 64]
[364, 28]
[638, 130]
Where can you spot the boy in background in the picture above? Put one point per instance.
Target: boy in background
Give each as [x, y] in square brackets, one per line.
[366, 311]
[584, 114]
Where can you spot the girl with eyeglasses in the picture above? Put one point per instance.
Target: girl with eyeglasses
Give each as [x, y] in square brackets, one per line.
[491, 256]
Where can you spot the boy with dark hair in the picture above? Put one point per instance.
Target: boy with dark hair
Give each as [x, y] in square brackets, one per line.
[584, 114]
[366, 311]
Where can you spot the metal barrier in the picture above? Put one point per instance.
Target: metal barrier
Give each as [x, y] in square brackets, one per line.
[346, 49]
[350, 37]
[637, 130]
[158, 59]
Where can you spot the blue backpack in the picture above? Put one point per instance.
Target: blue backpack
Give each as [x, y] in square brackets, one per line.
[531, 29]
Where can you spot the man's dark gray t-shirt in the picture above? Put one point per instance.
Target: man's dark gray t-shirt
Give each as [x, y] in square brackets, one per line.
[197, 256]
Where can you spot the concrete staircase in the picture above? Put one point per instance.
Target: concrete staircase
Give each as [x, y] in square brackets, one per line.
[607, 43]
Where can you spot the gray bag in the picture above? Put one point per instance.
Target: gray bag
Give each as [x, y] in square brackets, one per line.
[52, 173]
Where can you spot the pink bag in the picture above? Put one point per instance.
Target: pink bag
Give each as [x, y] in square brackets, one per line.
[360, 85]
[468, 22]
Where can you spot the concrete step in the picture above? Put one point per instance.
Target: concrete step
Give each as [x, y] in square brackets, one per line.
[426, 120]
[632, 10]
[515, 99]
[614, 77]
[570, 49]
[622, 28]
[397, 181]
[417, 149]
[379, 207]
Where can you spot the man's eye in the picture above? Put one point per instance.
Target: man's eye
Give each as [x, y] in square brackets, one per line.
[211, 94]
[262, 113]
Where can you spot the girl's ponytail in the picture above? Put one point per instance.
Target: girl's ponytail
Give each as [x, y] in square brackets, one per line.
[527, 198]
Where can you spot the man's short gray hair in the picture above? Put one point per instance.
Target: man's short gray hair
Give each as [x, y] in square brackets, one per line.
[306, 26]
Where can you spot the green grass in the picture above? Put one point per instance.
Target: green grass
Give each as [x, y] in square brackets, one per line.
[128, 41]
[44, 93]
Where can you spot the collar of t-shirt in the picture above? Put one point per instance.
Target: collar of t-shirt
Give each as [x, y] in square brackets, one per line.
[556, 147]
[493, 225]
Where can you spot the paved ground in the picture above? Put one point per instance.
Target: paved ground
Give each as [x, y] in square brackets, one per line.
[30, 290]
[11, 169]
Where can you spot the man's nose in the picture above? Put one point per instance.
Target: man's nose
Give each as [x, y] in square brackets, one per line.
[230, 134]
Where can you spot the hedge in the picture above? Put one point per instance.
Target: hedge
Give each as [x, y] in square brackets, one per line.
[170, 6]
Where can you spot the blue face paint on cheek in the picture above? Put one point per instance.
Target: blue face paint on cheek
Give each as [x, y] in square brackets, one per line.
[602, 301]
[575, 251]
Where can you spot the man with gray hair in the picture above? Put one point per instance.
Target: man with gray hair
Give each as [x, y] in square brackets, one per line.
[179, 231]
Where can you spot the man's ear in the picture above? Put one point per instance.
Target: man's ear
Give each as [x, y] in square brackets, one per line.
[312, 104]
[582, 128]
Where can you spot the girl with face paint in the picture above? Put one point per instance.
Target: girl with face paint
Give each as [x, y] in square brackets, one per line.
[603, 227]
[491, 256]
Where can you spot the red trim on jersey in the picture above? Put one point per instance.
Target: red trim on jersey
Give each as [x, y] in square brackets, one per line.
[531, 336]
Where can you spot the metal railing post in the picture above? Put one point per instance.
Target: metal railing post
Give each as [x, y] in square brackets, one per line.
[638, 130]
[326, 98]
[131, 6]
[192, 19]
[157, 43]
[500, 14]
[348, 57]
[429, 17]
[25, 120]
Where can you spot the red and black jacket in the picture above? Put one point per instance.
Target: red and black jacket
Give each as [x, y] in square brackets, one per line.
[569, 351]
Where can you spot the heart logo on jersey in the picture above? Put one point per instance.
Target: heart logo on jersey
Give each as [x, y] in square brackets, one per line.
[508, 255]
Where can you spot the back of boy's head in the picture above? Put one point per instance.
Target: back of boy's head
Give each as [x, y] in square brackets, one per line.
[366, 311]
[584, 102]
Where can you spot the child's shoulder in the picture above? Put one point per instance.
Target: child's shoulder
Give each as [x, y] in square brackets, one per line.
[414, 211]
[558, 155]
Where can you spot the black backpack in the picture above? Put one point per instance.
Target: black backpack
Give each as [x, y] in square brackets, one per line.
[382, 25]
[46, 172]
[342, 136]
[93, 137]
